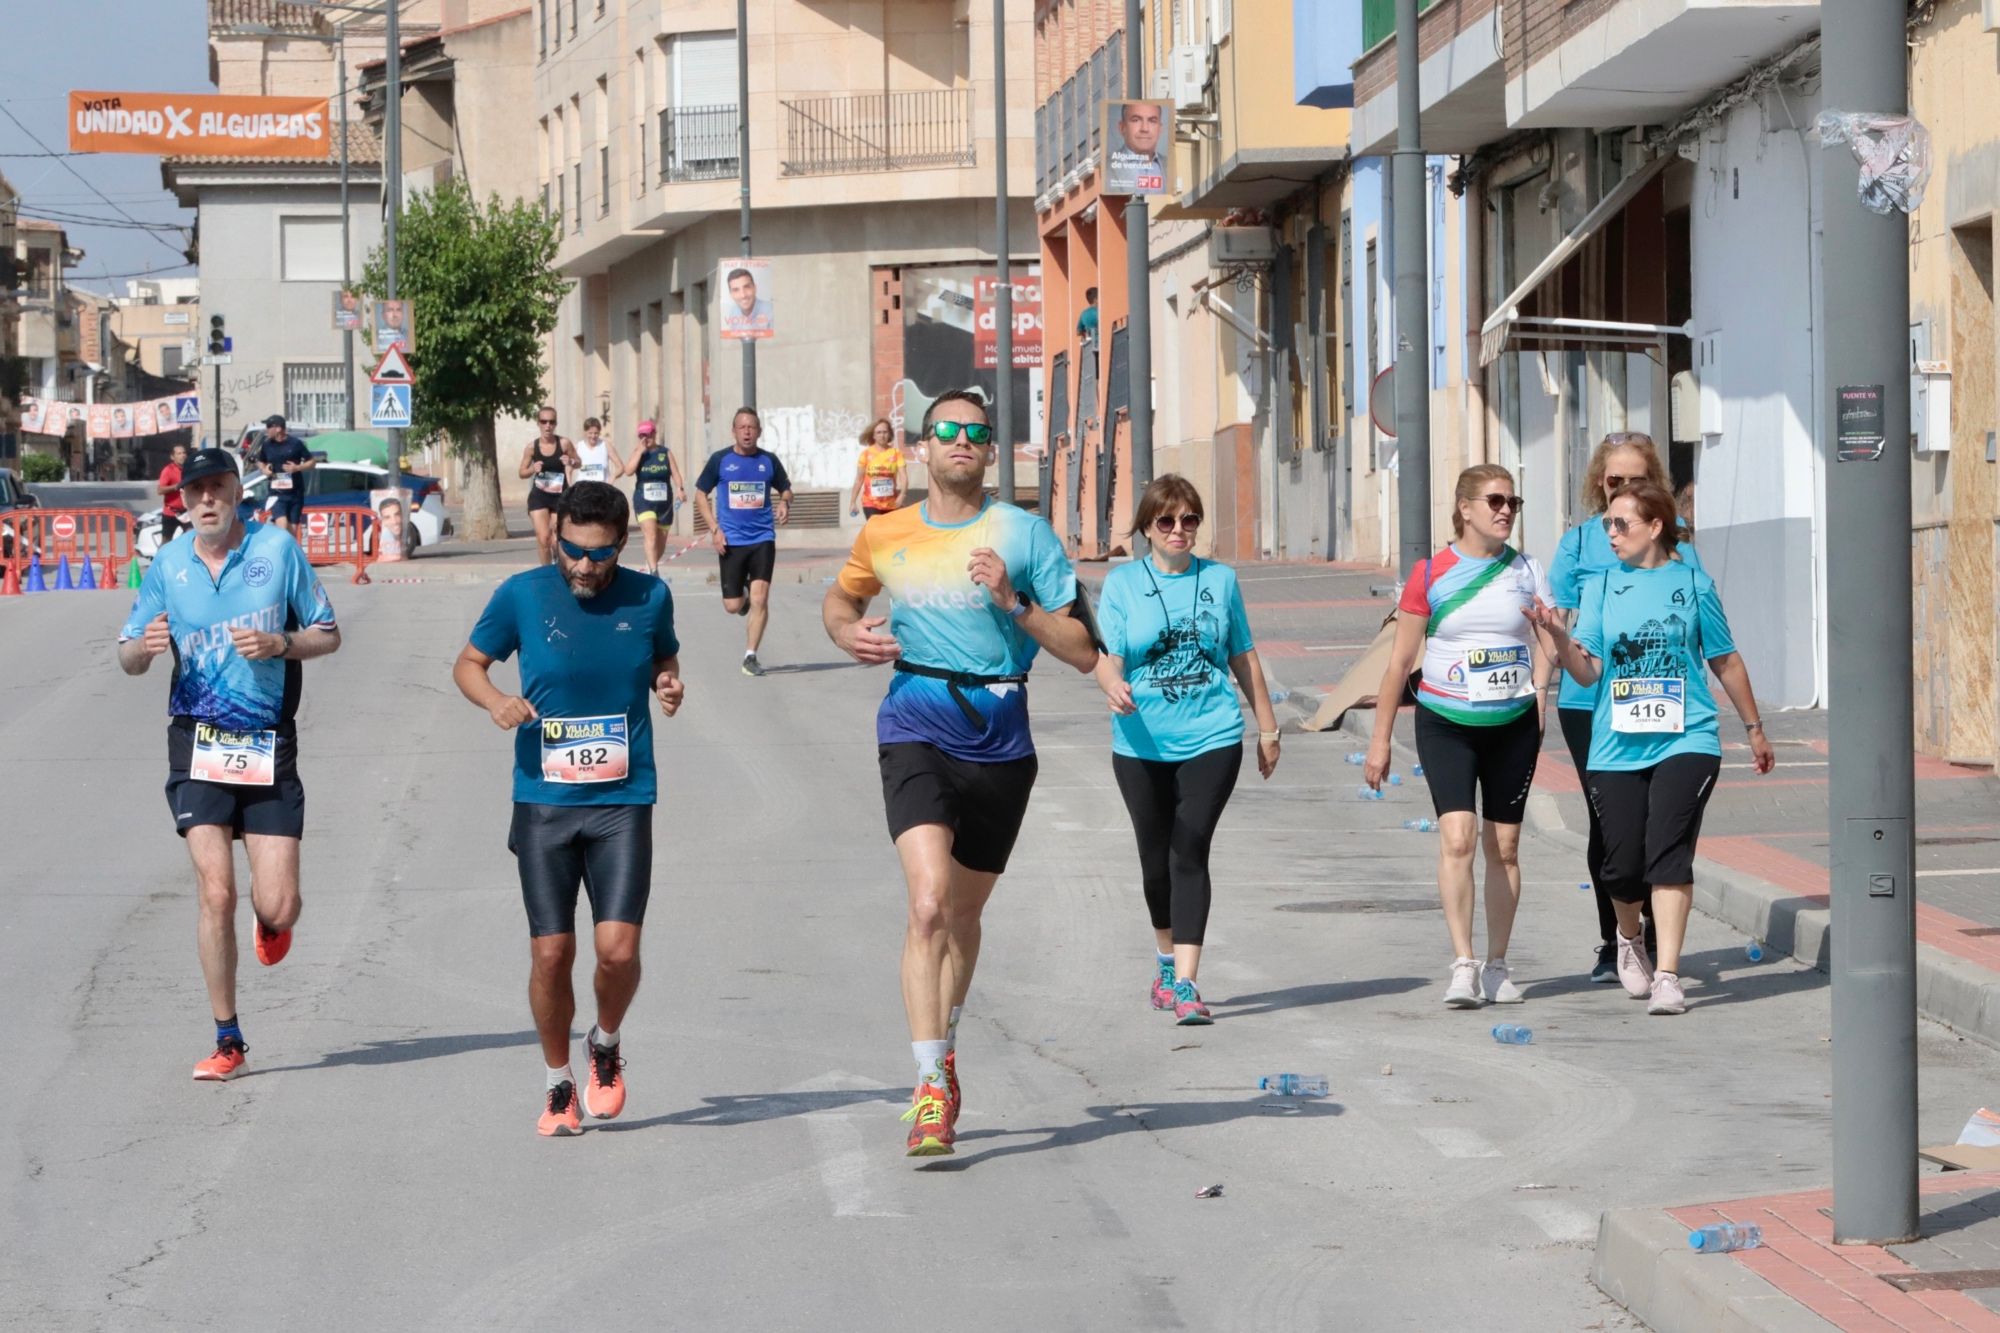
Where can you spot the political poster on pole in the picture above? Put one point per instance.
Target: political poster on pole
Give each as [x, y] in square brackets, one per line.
[1027, 323]
[744, 293]
[1135, 134]
[346, 311]
[389, 325]
[145, 419]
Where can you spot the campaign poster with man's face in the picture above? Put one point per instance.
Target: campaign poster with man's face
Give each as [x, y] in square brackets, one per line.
[145, 419]
[346, 310]
[392, 326]
[745, 295]
[1136, 136]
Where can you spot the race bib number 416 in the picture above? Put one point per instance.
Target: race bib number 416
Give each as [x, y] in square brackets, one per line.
[238, 758]
[1495, 675]
[1649, 704]
[585, 749]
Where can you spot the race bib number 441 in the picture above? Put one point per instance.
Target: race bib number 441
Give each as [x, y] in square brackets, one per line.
[238, 758]
[1495, 675]
[585, 749]
[1649, 704]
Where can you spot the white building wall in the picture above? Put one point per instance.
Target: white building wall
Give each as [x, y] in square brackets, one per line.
[1758, 471]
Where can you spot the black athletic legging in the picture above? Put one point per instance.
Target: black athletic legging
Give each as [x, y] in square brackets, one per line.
[1576, 724]
[1175, 807]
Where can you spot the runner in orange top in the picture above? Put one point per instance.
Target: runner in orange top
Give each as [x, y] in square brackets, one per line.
[881, 478]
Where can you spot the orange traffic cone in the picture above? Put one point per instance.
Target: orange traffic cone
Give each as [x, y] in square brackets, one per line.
[10, 579]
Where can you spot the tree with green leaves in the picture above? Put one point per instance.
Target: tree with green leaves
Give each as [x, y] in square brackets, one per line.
[483, 294]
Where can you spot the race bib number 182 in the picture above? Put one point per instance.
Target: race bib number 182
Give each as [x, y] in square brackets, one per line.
[585, 749]
[1649, 704]
[238, 758]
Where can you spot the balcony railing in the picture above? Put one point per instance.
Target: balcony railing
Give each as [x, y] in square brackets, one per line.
[827, 136]
[698, 143]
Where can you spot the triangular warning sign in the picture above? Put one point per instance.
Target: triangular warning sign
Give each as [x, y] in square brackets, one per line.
[392, 369]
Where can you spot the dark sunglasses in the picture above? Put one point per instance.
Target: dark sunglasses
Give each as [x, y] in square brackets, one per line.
[1186, 522]
[1613, 481]
[977, 432]
[597, 555]
[545, 421]
[1497, 502]
[1621, 526]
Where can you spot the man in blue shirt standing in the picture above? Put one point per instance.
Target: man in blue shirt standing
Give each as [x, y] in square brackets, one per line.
[285, 461]
[597, 648]
[757, 496]
[239, 608]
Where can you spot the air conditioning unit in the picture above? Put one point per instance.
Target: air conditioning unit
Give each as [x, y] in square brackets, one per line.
[1228, 246]
[1162, 86]
[1190, 70]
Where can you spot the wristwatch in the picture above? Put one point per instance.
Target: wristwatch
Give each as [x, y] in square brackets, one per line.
[286, 635]
[1021, 604]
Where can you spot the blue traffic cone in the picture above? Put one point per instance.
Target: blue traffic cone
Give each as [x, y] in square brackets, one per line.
[63, 583]
[35, 583]
[89, 580]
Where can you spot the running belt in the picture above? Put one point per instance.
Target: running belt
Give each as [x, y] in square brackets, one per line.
[958, 681]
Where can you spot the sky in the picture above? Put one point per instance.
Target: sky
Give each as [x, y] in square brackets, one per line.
[53, 46]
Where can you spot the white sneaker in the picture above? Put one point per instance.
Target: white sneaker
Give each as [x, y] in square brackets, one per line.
[1463, 993]
[1667, 995]
[1496, 985]
[1635, 966]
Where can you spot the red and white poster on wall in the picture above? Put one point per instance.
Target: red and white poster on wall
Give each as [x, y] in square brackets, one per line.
[1027, 323]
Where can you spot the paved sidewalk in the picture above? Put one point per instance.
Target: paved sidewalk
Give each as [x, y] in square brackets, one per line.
[1798, 1279]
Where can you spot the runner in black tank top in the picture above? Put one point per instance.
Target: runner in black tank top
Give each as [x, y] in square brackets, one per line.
[546, 465]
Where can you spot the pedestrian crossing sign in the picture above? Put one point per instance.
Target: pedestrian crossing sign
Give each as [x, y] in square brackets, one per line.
[389, 405]
[187, 410]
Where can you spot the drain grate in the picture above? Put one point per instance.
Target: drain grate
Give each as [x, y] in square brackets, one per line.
[1362, 905]
[1959, 1279]
[1960, 841]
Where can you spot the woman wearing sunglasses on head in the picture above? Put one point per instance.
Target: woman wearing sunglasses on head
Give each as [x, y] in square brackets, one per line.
[1465, 611]
[1646, 625]
[1623, 456]
[1174, 631]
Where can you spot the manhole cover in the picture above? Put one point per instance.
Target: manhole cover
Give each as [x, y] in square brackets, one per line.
[1962, 1279]
[1348, 905]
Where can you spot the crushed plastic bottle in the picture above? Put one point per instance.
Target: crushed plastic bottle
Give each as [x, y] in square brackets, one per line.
[1421, 825]
[1367, 793]
[1513, 1034]
[1583, 887]
[1754, 951]
[1294, 1085]
[1722, 1237]
[1417, 770]
[1395, 779]
[1357, 757]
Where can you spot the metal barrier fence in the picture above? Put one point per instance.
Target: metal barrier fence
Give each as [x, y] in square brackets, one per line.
[102, 538]
[338, 534]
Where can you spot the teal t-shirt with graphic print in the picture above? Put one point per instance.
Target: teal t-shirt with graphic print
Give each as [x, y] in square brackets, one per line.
[1646, 626]
[1176, 634]
[1585, 550]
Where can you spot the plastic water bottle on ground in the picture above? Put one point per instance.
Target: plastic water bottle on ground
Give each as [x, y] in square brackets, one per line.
[1583, 887]
[1367, 793]
[1357, 757]
[1755, 951]
[1421, 825]
[1417, 770]
[1294, 1085]
[1722, 1237]
[1395, 779]
[1513, 1034]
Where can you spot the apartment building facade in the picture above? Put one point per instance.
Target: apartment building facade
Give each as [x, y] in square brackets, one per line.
[13, 371]
[871, 173]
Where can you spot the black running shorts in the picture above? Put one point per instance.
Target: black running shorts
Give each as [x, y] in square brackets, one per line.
[982, 804]
[1651, 819]
[278, 810]
[605, 850]
[1495, 764]
[745, 565]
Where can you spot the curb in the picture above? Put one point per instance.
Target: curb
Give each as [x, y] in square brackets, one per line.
[1644, 1263]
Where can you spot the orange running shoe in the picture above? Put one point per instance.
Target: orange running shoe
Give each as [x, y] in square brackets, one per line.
[227, 1062]
[954, 1096]
[604, 1091]
[930, 1130]
[562, 1118]
[272, 945]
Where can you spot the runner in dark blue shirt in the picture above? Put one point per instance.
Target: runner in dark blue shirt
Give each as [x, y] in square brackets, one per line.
[756, 497]
[285, 461]
[597, 648]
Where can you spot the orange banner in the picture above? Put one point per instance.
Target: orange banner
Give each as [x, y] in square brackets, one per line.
[199, 125]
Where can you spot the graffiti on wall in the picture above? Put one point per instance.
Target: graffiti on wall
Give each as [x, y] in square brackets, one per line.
[818, 445]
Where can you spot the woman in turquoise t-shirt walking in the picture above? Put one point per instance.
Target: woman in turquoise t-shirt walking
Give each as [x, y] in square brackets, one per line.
[1174, 631]
[1645, 626]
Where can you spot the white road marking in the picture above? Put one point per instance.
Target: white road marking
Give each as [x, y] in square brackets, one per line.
[1788, 763]
[1337, 647]
[844, 1165]
[1564, 1223]
[1455, 1142]
[1934, 874]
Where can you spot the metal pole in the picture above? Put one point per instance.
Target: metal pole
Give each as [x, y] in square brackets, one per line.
[743, 176]
[1003, 300]
[1871, 777]
[392, 172]
[1412, 308]
[346, 246]
[1138, 282]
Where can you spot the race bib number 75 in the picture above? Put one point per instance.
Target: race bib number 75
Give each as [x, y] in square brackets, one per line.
[1649, 704]
[585, 749]
[238, 758]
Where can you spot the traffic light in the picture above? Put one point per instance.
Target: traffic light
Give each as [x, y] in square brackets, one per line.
[218, 341]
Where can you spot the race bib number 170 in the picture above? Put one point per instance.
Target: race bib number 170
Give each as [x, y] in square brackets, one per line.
[238, 758]
[585, 749]
[1642, 704]
[746, 495]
